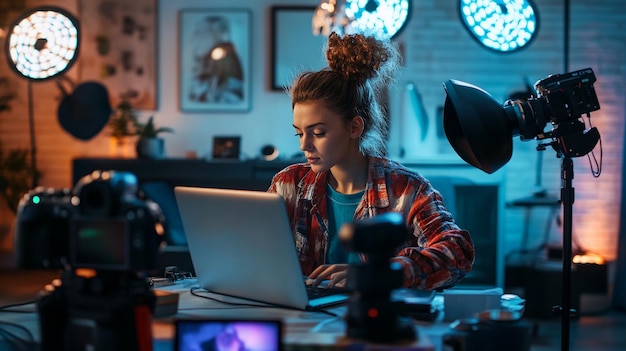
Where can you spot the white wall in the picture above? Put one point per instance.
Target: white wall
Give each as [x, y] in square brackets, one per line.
[268, 122]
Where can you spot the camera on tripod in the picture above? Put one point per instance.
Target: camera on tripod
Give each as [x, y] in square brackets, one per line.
[106, 240]
[480, 129]
[372, 315]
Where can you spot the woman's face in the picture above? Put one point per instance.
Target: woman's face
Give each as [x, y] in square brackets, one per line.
[324, 136]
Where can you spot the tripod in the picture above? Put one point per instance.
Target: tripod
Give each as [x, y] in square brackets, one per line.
[572, 140]
[567, 200]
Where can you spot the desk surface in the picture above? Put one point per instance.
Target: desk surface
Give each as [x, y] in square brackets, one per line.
[301, 329]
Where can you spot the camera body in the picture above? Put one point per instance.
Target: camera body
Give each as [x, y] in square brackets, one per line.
[561, 100]
[102, 225]
[568, 96]
[105, 239]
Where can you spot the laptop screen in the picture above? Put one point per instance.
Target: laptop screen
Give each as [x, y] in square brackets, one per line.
[211, 334]
[241, 245]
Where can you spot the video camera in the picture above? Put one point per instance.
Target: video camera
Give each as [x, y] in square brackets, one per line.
[561, 100]
[106, 241]
[102, 225]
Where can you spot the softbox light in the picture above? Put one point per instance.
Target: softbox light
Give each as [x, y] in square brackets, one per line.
[480, 129]
[482, 135]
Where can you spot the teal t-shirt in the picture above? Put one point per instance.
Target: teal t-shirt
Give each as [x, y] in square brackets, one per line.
[341, 209]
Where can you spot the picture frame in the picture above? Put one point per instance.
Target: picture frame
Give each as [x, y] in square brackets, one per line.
[214, 62]
[291, 28]
[226, 147]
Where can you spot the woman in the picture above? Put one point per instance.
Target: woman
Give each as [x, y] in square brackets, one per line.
[342, 128]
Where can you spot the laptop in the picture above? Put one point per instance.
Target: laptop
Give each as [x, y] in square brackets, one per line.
[241, 245]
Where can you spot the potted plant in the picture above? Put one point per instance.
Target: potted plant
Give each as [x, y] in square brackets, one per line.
[149, 144]
[123, 127]
[16, 176]
[16, 170]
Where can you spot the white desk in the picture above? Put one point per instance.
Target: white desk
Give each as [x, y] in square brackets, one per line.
[301, 329]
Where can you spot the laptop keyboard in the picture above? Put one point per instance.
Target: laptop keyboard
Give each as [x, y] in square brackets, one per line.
[315, 292]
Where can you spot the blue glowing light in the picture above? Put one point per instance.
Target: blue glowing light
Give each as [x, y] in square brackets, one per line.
[383, 19]
[500, 25]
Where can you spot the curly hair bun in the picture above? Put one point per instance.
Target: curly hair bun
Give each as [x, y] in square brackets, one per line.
[359, 57]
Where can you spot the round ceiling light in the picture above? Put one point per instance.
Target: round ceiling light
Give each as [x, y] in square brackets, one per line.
[500, 25]
[383, 19]
[42, 43]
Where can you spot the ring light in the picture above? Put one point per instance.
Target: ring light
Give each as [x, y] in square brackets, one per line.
[42, 43]
[500, 25]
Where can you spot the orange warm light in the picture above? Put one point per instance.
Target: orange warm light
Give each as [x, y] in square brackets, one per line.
[588, 258]
[85, 272]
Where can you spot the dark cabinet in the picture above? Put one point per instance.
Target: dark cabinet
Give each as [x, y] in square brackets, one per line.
[250, 175]
[157, 179]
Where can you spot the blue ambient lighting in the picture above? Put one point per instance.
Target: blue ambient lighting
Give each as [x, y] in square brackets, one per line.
[383, 19]
[500, 25]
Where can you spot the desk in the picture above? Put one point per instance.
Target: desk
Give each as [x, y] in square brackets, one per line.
[300, 328]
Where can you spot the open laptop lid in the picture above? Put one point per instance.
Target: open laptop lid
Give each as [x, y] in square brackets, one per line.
[241, 245]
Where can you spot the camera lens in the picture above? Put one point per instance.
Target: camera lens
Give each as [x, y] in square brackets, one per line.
[95, 199]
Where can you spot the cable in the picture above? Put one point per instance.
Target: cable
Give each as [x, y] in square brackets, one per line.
[598, 164]
[5, 307]
[194, 290]
[318, 327]
[16, 342]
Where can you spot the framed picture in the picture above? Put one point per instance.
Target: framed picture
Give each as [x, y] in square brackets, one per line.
[118, 49]
[226, 147]
[294, 46]
[214, 60]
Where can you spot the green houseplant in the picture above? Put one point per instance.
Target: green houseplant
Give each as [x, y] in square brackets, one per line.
[149, 144]
[16, 175]
[16, 170]
[124, 121]
[123, 129]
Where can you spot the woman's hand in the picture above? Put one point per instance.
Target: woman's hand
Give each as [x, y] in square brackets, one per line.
[335, 274]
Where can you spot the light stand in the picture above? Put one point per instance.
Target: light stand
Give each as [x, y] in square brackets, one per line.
[570, 139]
[567, 200]
[480, 131]
[575, 142]
[41, 44]
[31, 130]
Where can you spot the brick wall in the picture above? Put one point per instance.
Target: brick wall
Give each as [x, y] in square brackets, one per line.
[437, 48]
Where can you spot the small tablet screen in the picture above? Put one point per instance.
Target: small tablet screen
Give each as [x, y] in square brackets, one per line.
[217, 335]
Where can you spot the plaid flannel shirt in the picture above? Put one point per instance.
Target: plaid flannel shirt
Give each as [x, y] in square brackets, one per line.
[437, 254]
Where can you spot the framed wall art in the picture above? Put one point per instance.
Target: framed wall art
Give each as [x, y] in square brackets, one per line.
[214, 60]
[294, 46]
[118, 49]
[226, 147]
